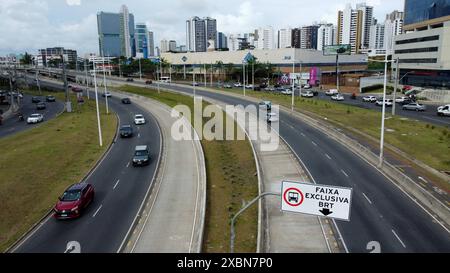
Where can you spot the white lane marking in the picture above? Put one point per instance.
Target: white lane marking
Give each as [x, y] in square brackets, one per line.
[368, 200]
[99, 208]
[398, 238]
[128, 165]
[328, 156]
[139, 135]
[314, 143]
[344, 173]
[117, 183]
[303, 134]
[421, 178]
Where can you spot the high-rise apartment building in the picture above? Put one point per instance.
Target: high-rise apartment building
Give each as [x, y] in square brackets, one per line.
[222, 42]
[296, 37]
[367, 21]
[172, 46]
[309, 37]
[326, 35]
[164, 46]
[199, 32]
[151, 43]
[377, 37]
[285, 38]
[265, 38]
[350, 28]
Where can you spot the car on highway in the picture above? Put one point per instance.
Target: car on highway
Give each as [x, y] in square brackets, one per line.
[414, 106]
[443, 110]
[338, 97]
[35, 118]
[195, 84]
[387, 102]
[41, 106]
[126, 131]
[141, 155]
[130, 80]
[266, 104]
[369, 99]
[271, 117]
[139, 119]
[148, 82]
[106, 94]
[126, 101]
[307, 94]
[50, 98]
[77, 89]
[35, 99]
[74, 200]
[331, 92]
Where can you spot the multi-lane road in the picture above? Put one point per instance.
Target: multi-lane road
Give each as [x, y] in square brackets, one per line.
[120, 190]
[380, 212]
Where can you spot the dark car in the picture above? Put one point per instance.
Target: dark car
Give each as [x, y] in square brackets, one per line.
[130, 80]
[315, 92]
[148, 82]
[50, 98]
[141, 156]
[73, 201]
[126, 101]
[126, 131]
[41, 106]
[35, 99]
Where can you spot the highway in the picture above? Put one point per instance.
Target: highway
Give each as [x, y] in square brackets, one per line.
[120, 190]
[12, 125]
[380, 211]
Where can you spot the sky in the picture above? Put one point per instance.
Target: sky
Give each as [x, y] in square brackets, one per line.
[27, 25]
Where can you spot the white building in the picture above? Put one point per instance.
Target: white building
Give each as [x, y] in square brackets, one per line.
[164, 46]
[349, 28]
[326, 36]
[265, 38]
[233, 42]
[285, 38]
[199, 32]
[393, 26]
[126, 43]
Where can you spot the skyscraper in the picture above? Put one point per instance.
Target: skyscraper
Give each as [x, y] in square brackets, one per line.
[285, 38]
[198, 32]
[296, 37]
[367, 21]
[393, 26]
[116, 33]
[326, 35]
[172, 46]
[222, 42]
[377, 37]
[349, 28]
[309, 37]
[142, 40]
[151, 43]
[265, 38]
[164, 46]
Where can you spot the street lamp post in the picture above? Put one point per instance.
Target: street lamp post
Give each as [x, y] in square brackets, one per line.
[96, 104]
[104, 83]
[193, 79]
[243, 75]
[293, 84]
[86, 78]
[140, 70]
[397, 73]
[383, 115]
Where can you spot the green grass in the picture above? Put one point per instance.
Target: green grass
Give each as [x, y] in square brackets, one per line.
[231, 180]
[38, 164]
[427, 143]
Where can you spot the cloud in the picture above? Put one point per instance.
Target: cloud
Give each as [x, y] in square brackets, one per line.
[73, 2]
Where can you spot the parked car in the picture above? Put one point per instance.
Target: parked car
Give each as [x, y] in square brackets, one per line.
[107, 94]
[338, 97]
[148, 82]
[315, 92]
[74, 200]
[141, 156]
[139, 119]
[249, 86]
[267, 104]
[126, 131]
[403, 100]
[443, 110]
[238, 84]
[41, 106]
[35, 118]
[35, 99]
[130, 80]
[50, 98]
[307, 94]
[195, 84]
[126, 101]
[286, 91]
[387, 102]
[228, 86]
[307, 86]
[414, 106]
[77, 89]
[271, 117]
[331, 92]
[369, 99]
[271, 89]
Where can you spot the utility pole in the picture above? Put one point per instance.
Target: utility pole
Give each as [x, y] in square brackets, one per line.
[397, 74]
[37, 79]
[301, 78]
[120, 71]
[86, 76]
[104, 83]
[96, 104]
[212, 72]
[157, 77]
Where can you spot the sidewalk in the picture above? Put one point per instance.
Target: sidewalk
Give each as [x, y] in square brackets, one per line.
[172, 219]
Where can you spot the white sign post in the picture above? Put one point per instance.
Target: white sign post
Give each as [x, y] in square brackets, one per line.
[320, 200]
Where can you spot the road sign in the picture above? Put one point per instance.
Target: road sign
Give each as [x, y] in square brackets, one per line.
[337, 50]
[320, 200]
[184, 59]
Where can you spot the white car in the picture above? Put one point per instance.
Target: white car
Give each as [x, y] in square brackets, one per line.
[332, 92]
[107, 94]
[307, 86]
[35, 118]
[444, 110]
[139, 119]
[249, 86]
[238, 84]
[286, 92]
[271, 117]
[307, 94]
[337, 97]
[266, 104]
[387, 102]
[370, 99]
[401, 99]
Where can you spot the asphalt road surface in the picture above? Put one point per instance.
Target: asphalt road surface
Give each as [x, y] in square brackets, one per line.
[120, 189]
[12, 125]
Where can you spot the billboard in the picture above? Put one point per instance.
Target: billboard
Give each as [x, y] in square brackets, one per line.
[337, 50]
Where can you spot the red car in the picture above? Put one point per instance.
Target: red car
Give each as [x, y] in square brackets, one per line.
[74, 200]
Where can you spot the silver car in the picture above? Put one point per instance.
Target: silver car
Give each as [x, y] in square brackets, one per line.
[414, 107]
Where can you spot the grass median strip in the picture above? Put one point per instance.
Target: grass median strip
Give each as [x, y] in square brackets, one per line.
[38, 164]
[231, 181]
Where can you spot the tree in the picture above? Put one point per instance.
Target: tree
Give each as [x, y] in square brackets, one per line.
[26, 59]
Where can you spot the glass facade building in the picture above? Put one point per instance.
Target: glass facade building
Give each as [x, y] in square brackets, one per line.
[417, 11]
[109, 34]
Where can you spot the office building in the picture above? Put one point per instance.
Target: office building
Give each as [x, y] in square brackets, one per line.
[285, 38]
[423, 49]
[350, 28]
[172, 46]
[222, 42]
[142, 40]
[326, 35]
[116, 33]
[199, 32]
[393, 26]
[151, 43]
[46, 55]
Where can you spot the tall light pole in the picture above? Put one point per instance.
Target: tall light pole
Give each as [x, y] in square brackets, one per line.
[96, 104]
[301, 78]
[383, 115]
[293, 84]
[243, 75]
[253, 74]
[157, 76]
[397, 74]
[140, 69]
[86, 75]
[193, 79]
[337, 72]
[204, 65]
[104, 83]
